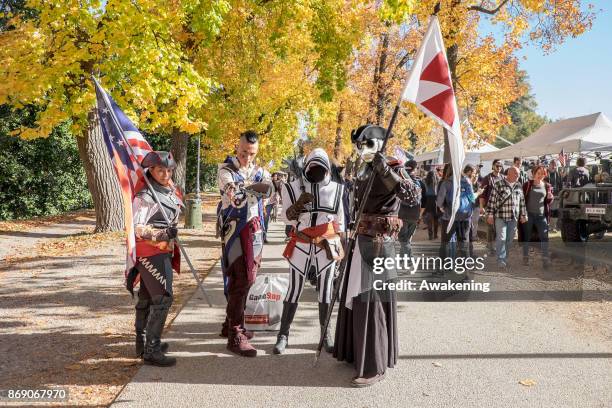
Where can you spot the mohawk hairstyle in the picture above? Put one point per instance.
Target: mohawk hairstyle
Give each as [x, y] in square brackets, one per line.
[250, 136]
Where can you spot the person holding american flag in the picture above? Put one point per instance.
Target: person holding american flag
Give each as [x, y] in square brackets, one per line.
[156, 256]
[151, 206]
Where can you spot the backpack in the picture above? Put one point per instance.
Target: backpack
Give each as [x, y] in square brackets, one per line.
[579, 178]
[430, 191]
[466, 200]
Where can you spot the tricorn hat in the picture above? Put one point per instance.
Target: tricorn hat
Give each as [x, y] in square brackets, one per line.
[159, 158]
[366, 132]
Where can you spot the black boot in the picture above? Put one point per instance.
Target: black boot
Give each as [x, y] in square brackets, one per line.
[282, 340]
[328, 343]
[142, 313]
[153, 354]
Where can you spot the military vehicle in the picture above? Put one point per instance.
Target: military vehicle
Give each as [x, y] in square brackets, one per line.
[585, 211]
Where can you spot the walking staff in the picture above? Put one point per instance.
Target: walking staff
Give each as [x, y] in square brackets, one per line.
[430, 88]
[148, 183]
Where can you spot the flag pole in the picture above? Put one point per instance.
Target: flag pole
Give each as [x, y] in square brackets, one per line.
[154, 193]
[352, 241]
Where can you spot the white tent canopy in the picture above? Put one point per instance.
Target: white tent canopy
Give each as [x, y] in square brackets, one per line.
[472, 156]
[581, 134]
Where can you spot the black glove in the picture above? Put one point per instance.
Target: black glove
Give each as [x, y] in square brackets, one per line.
[389, 178]
[171, 232]
[379, 164]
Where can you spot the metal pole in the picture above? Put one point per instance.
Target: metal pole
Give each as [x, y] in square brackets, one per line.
[353, 238]
[198, 171]
[118, 125]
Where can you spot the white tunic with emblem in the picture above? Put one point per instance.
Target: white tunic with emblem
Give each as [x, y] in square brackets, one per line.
[326, 207]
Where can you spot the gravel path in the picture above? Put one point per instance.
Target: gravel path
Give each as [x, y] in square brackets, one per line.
[66, 319]
[471, 354]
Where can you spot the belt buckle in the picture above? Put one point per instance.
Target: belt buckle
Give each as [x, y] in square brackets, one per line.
[379, 237]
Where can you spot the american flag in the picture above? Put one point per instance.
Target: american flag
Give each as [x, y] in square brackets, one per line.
[562, 158]
[116, 129]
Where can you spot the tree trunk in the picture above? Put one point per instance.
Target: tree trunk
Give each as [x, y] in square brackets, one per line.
[101, 177]
[180, 142]
[338, 141]
[381, 89]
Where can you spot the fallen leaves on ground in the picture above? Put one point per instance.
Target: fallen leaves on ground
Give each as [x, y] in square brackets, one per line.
[26, 225]
[95, 368]
[78, 243]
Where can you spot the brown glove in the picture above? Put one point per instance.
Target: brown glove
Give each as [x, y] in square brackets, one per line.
[294, 210]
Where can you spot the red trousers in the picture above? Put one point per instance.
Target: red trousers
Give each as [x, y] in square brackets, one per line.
[242, 275]
[237, 291]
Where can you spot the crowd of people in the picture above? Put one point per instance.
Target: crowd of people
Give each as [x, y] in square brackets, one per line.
[515, 199]
[318, 206]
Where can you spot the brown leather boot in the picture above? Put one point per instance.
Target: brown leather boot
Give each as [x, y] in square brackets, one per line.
[239, 344]
[225, 330]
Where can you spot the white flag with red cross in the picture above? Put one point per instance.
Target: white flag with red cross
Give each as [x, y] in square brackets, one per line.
[430, 88]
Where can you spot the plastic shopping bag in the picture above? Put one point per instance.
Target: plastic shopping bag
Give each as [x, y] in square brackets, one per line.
[264, 305]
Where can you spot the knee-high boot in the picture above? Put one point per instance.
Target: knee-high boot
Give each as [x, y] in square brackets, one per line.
[282, 340]
[140, 323]
[142, 314]
[328, 342]
[153, 355]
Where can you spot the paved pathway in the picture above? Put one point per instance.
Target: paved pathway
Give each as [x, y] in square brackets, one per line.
[469, 354]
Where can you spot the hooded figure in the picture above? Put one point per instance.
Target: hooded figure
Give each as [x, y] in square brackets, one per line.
[313, 206]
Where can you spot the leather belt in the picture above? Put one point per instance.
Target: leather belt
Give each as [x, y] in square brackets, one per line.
[379, 225]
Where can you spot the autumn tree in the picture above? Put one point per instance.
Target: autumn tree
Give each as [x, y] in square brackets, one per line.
[272, 63]
[485, 73]
[524, 118]
[138, 51]
[540, 22]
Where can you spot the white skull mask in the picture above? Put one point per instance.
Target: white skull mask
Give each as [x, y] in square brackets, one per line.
[368, 148]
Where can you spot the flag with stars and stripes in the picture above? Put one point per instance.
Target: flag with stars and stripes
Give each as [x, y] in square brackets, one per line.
[119, 131]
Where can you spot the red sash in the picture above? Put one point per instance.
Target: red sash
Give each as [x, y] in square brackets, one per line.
[318, 231]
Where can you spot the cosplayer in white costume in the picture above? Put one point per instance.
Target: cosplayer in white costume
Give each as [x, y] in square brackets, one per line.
[313, 205]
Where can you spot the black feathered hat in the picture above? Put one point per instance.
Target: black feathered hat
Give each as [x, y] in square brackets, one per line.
[159, 158]
[366, 132]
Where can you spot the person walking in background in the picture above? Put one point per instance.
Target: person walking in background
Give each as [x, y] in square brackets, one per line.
[538, 196]
[554, 176]
[431, 212]
[271, 204]
[487, 184]
[474, 178]
[410, 213]
[517, 163]
[580, 175]
[461, 226]
[505, 208]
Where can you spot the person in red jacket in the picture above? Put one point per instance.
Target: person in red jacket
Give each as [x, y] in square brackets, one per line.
[538, 196]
